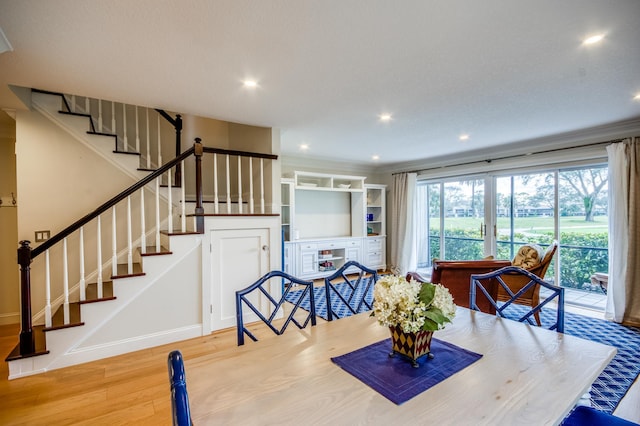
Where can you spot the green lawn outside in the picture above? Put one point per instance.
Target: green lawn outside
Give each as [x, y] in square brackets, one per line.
[533, 225]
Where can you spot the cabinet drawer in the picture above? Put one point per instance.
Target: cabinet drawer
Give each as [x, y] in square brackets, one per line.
[353, 243]
[374, 258]
[308, 246]
[374, 244]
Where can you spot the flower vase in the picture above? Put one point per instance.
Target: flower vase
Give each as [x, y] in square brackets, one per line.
[411, 345]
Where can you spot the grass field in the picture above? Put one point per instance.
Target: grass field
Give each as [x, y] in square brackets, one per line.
[533, 225]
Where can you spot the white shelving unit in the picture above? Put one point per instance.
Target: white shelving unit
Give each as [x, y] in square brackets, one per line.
[324, 230]
[375, 241]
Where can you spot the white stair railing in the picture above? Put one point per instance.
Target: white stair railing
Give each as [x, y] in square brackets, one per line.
[122, 243]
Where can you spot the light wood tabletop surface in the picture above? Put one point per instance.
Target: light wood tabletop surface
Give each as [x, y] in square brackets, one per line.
[527, 376]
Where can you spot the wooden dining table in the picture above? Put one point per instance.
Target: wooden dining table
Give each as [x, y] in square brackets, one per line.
[527, 376]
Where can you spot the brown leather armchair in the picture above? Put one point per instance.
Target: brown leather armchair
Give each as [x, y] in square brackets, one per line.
[456, 276]
[516, 282]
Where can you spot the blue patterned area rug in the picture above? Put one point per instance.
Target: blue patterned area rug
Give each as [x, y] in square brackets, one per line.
[338, 306]
[612, 384]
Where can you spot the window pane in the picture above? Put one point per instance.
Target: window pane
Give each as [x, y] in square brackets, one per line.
[583, 226]
[464, 219]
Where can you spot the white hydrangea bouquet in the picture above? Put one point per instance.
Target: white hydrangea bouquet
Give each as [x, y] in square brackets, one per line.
[412, 305]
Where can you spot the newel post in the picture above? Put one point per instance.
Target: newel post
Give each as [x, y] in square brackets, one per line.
[198, 151]
[27, 343]
[178, 126]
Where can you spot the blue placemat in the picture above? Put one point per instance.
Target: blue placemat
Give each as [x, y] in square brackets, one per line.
[395, 378]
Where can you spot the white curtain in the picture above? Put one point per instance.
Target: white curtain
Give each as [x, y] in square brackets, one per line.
[403, 238]
[623, 290]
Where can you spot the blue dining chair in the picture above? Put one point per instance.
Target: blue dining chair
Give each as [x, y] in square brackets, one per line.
[508, 307]
[588, 416]
[181, 413]
[294, 291]
[353, 296]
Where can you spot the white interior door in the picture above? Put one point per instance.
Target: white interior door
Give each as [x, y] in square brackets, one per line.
[238, 258]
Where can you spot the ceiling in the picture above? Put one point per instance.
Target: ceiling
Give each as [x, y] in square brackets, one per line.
[501, 71]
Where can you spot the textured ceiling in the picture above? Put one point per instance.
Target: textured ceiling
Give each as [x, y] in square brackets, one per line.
[502, 71]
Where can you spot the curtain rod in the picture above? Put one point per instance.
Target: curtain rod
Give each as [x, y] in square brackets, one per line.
[512, 156]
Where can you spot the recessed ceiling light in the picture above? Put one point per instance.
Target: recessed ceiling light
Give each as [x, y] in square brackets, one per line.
[593, 39]
[385, 117]
[304, 147]
[463, 137]
[250, 84]
[637, 97]
[375, 157]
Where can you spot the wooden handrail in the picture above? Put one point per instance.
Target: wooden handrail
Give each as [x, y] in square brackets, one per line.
[106, 206]
[211, 150]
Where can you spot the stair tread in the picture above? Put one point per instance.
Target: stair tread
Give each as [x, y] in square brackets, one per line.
[123, 271]
[179, 233]
[125, 152]
[91, 293]
[151, 251]
[57, 320]
[77, 114]
[90, 132]
[40, 345]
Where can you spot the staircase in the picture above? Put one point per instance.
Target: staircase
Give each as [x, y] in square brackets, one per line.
[126, 276]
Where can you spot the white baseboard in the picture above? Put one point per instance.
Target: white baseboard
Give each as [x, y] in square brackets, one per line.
[10, 318]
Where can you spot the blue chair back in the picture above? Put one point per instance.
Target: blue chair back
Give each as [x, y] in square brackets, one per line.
[583, 416]
[509, 308]
[290, 293]
[354, 296]
[179, 398]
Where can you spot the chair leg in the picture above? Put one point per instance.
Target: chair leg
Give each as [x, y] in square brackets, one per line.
[535, 301]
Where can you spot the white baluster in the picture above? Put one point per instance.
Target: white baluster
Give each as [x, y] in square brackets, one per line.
[113, 118]
[159, 144]
[250, 185]
[184, 200]
[114, 243]
[100, 115]
[83, 294]
[143, 236]
[99, 256]
[124, 128]
[170, 203]
[240, 185]
[262, 186]
[47, 290]
[228, 187]
[137, 131]
[65, 282]
[215, 183]
[158, 214]
[148, 141]
[129, 242]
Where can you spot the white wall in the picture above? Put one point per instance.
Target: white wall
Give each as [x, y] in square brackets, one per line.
[9, 275]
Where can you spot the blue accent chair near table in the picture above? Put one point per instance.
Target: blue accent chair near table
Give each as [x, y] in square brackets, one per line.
[354, 300]
[478, 284]
[181, 413]
[588, 416]
[286, 283]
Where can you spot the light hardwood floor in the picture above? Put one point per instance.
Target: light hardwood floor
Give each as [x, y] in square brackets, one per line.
[126, 389]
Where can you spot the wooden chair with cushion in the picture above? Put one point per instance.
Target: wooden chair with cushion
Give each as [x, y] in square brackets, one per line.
[534, 259]
[507, 309]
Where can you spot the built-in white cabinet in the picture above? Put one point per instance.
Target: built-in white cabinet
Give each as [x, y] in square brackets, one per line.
[375, 241]
[328, 220]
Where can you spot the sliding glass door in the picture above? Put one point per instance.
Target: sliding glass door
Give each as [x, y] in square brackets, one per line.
[566, 204]
[451, 220]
